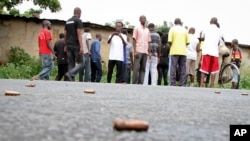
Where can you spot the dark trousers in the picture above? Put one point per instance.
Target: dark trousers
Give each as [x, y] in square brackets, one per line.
[73, 57]
[127, 73]
[62, 69]
[178, 60]
[139, 68]
[96, 71]
[111, 65]
[162, 69]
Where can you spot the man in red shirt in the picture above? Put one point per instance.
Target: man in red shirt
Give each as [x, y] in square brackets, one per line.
[46, 52]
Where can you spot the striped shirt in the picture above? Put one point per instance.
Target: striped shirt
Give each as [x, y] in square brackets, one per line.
[155, 42]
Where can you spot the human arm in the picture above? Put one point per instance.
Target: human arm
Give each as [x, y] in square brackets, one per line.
[55, 48]
[88, 42]
[111, 36]
[79, 35]
[65, 37]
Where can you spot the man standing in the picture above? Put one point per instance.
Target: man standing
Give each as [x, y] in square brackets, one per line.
[236, 58]
[192, 50]
[128, 59]
[62, 59]
[210, 51]
[117, 41]
[163, 65]
[86, 38]
[178, 40]
[141, 39]
[74, 46]
[96, 66]
[45, 51]
[153, 57]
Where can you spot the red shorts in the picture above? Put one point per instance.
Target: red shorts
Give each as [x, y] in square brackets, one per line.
[209, 64]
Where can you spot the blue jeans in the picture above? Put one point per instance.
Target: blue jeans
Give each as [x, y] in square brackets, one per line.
[86, 70]
[74, 57]
[127, 73]
[47, 66]
[96, 71]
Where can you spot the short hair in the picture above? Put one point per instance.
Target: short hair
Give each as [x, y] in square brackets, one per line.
[164, 38]
[119, 22]
[177, 21]
[86, 29]
[46, 23]
[77, 10]
[151, 25]
[61, 35]
[235, 41]
[124, 31]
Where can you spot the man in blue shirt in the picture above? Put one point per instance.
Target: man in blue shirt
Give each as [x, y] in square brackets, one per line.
[96, 66]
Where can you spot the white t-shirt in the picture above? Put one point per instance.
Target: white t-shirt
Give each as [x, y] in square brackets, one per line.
[116, 47]
[191, 48]
[212, 36]
[85, 37]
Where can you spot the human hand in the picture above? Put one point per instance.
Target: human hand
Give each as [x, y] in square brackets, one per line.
[81, 51]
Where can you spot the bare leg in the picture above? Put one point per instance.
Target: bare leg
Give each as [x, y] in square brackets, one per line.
[212, 80]
[202, 79]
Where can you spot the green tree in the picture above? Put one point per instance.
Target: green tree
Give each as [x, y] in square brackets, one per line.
[164, 28]
[14, 12]
[126, 24]
[31, 12]
[53, 5]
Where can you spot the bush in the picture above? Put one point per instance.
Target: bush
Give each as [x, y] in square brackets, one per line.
[20, 66]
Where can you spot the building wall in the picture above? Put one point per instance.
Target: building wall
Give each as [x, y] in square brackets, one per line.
[22, 32]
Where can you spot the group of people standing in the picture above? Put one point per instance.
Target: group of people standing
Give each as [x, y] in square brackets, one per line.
[150, 57]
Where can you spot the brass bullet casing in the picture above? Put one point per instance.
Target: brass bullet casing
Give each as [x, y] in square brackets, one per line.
[89, 91]
[137, 125]
[30, 85]
[217, 92]
[245, 94]
[12, 93]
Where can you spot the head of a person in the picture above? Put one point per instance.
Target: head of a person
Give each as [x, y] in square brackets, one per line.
[61, 35]
[86, 29]
[77, 12]
[143, 20]
[151, 27]
[191, 30]
[99, 36]
[119, 26]
[47, 24]
[234, 43]
[164, 38]
[125, 31]
[214, 20]
[177, 21]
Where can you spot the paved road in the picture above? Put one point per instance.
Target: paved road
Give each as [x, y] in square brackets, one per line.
[61, 111]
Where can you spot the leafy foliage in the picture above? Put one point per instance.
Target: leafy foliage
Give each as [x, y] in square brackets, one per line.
[30, 12]
[14, 12]
[164, 28]
[20, 65]
[53, 5]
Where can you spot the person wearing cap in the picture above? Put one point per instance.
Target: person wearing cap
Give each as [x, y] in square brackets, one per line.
[46, 52]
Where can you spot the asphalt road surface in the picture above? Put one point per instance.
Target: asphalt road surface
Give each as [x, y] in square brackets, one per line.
[61, 111]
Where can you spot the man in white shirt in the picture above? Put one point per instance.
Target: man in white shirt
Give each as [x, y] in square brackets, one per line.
[192, 49]
[117, 42]
[210, 51]
[86, 38]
